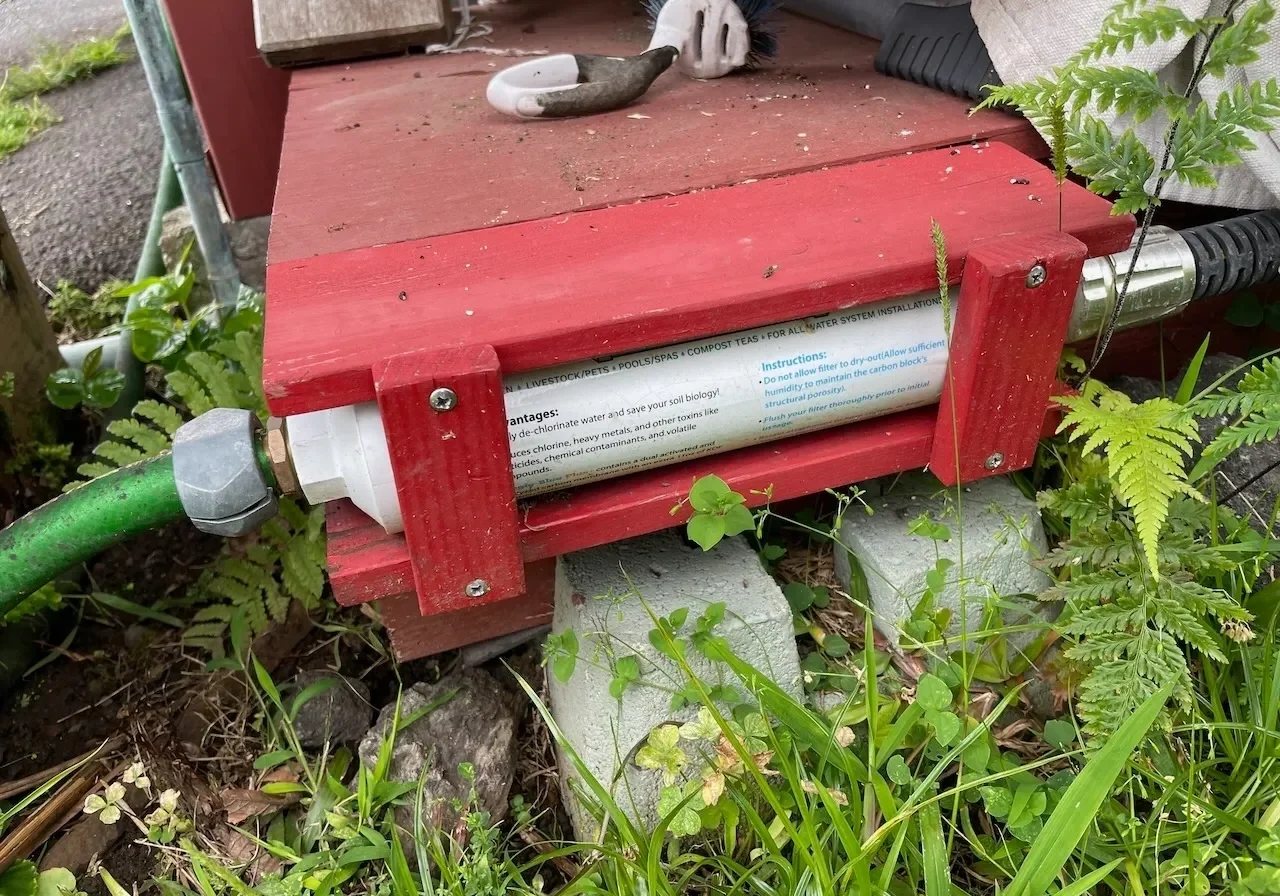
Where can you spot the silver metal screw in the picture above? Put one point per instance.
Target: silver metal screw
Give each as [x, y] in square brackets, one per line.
[477, 588]
[995, 461]
[443, 399]
[1036, 276]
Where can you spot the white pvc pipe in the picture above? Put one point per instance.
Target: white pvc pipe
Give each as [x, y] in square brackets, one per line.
[598, 419]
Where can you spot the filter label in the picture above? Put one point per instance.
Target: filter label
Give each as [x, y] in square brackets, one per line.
[594, 420]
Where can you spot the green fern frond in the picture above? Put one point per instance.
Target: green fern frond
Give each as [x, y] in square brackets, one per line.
[213, 613]
[1147, 446]
[1237, 44]
[1103, 619]
[1093, 548]
[204, 631]
[164, 416]
[1094, 587]
[91, 470]
[1087, 503]
[1214, 138]
[1124, 89]
[1120, 165]
[1263, 426]
[118, 453]
[149, 440]
[191, 391]
[233, 589]
[1131, 23]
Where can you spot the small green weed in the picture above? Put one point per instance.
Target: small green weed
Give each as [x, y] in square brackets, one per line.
[22, 114]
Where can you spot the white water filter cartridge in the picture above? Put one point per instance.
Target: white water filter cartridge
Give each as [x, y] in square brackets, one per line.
[594, 420]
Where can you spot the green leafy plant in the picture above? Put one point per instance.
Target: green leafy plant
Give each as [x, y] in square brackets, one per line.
[22, 115]
[207, 365]
[718, 512]
[1147, 447]
[92, 384]
[1198, 137]
[75, 313]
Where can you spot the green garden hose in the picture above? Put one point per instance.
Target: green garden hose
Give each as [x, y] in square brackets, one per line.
[72, 528]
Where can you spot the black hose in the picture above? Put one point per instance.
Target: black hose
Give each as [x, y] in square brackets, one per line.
[1235, 254]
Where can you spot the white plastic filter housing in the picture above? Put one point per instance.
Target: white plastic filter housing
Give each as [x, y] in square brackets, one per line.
[595, 420]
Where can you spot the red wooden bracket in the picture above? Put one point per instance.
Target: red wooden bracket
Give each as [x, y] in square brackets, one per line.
[1010, 324]
[453, 476]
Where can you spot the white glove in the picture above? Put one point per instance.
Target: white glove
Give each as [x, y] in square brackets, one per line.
[710, 35]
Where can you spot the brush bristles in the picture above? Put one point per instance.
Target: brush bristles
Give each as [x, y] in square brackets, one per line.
[764, 42]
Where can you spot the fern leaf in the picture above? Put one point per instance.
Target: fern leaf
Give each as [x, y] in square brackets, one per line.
[1147, 447]
[1105, 619]
[1122, 166]
[189, 389]
[151, 441]
[1087, 503]
[213, 613]
[1261, 427]
[162, 415]
[293, 514]
[1090, 588]
[200, 631]
[234, 590]
[118, 453]
[91, 470]
[1127, 25]
[255, 614]
[241, 570]
[216, 379]
[1237, 44]
[275, 601]
[302, 576]
[1123, 88]
[1209, 139]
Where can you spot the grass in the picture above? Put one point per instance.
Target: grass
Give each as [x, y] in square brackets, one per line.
[22, 115]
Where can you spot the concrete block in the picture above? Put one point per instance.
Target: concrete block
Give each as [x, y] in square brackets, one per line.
[1001, 535]
[602, 594]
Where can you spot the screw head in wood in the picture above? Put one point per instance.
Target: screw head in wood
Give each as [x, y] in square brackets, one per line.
[477, 588]
[443, 399]
[995, 461]
[1036, 276]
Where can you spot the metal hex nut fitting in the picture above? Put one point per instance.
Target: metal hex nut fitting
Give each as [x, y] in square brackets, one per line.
[278, 452]
[215, 465]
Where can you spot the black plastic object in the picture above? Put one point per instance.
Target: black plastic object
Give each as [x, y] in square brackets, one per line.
[1235, 254]
[939, 47]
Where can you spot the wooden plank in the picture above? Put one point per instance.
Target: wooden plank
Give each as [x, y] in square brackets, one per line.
[453, 464]
[300, 32]
[616, 280]
[401, 149]
[239, 99]
[414, 635]
[1006, 343]
[28, 350]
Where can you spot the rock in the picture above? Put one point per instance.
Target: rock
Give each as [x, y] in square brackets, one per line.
[248, 245]
[1001, 534]
[476, 725]
[605, 596]
[338, 715]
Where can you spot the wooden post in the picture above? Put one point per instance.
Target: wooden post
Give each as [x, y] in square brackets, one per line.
[28, 349]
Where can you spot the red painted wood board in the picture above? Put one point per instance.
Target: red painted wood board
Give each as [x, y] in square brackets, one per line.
[616, 280]
[406, 148]
[366, 564]
[239, 99]
[414, 635]
[453, 476]
[1005, 346]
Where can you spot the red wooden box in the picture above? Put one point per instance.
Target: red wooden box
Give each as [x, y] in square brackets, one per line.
[440, 244]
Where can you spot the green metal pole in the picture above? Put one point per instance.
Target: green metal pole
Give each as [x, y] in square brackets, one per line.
[74, 527]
